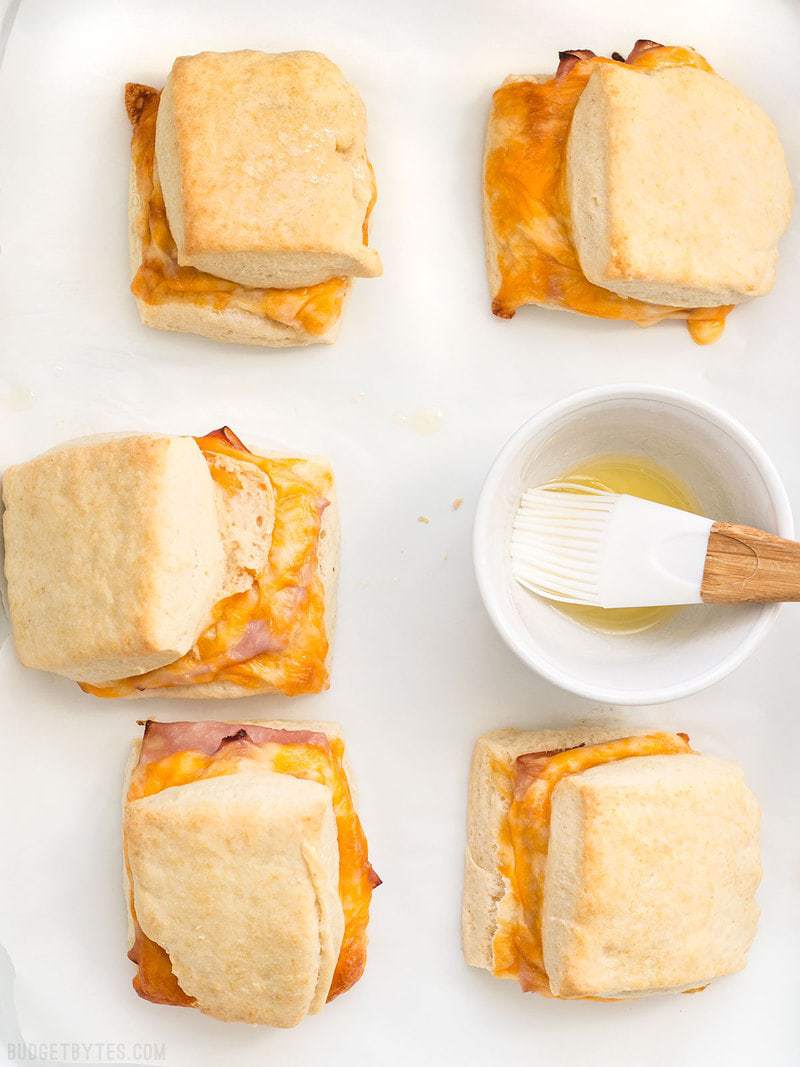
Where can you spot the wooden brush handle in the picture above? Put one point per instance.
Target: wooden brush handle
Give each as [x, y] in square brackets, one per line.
[746, 566]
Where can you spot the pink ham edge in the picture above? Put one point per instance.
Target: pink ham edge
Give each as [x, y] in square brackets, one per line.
[255, 641]
[569, 58]
[641, 46]
[163, 739]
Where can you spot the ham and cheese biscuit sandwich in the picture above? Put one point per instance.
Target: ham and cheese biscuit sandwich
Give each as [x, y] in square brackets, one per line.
[638, 189]
[247, 878]
[151, 565]
[618, 868]
[250, 196]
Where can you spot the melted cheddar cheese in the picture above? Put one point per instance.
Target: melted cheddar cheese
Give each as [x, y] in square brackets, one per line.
[286, 601]
[527, 208]
[529, 784]
[155, 979]
[313, 309]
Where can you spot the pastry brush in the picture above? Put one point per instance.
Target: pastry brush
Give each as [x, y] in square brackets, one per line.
[580, 545]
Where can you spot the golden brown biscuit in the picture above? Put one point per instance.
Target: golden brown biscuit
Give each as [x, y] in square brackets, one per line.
[144, 565]
[616, 869]
[246, 871]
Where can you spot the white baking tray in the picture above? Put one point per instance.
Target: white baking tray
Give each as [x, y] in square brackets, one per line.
[411, 405]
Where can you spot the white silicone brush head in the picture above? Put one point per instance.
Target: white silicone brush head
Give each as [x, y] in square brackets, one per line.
[557, 541]
[579, 545]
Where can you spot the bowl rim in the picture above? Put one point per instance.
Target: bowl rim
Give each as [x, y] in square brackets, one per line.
[480, 542]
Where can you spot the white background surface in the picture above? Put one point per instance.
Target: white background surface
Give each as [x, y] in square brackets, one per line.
[418, 671]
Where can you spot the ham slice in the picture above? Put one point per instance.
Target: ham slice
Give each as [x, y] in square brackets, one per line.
[226, 434]
[571, 56]
[163, 739]
[530, 765]
[568, 59]
[255, 641]
[642, 45]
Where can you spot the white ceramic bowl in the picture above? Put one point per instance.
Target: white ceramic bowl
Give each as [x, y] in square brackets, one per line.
[731, 477]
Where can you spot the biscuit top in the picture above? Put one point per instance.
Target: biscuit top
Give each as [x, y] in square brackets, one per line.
[255, 937]
[267, 155]
[113, 554]
[652, 870]
[678, 186]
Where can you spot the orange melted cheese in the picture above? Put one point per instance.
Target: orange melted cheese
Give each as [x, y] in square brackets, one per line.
[528, 210]
[160, 278]
[529, 784]
[155, 979]
[287, 599]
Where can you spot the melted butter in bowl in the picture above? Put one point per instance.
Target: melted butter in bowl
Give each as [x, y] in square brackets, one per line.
[636, 476]
[617, 435]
